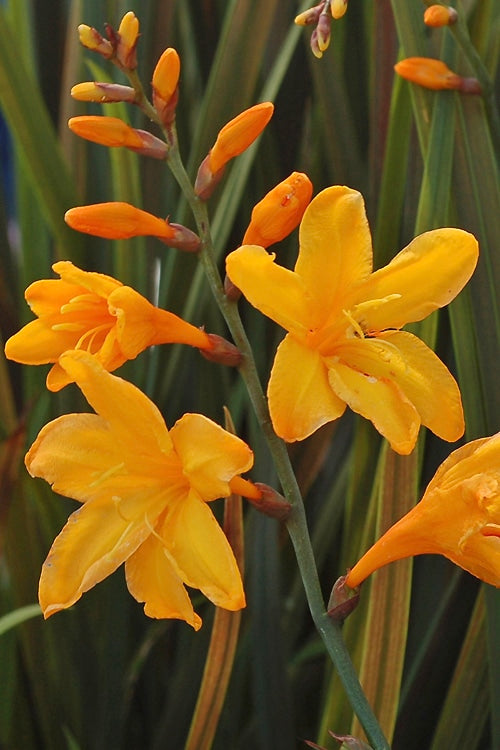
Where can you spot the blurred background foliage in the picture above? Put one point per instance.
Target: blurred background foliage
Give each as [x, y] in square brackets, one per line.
[426, 637]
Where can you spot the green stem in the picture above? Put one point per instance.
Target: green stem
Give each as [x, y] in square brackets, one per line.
[296, 523]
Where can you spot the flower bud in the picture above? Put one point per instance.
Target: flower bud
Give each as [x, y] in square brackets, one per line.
[236, 136]
[323, 30]
[280, 211]
[309, 16]
[118, 221]
[342, 600]
[103, 93]
[128, 36]
[165, 85]
[90, 38]
[271, 503]
[435, 74]
[440, 15]
[113, 132]
[338, 8]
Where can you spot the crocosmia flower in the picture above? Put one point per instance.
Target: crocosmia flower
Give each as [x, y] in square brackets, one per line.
[344, 344]
[458, 517]
[97, 313]
[144, 491]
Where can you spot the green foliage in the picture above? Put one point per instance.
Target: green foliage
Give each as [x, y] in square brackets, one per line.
[425, 642]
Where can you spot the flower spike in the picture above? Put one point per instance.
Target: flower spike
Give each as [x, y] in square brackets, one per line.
[458, 517]
[234, 138]
[280, 211]
[436, 75]
[96, 313]
[144, 492]
[344, 344]
[119, 221]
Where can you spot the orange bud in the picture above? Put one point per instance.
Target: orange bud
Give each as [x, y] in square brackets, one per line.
[440, 15]
[103, 93]
[236, 136]
[117, 221]
[128, 36]
[435, 74]
[280, 211]
[111, 131]
[165, 85]
[90, 38]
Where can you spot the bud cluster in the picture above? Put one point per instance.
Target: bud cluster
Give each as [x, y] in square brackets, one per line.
[321, 16]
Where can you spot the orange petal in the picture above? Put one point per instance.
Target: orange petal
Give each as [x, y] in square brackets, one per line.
[423, 277]
[97, 538]
[210, 455]
[300, 396]
[335, 249]
[383, 403]
[152, 579]
[272, 289]
[117, 221]
[201, 552]
[37, 344]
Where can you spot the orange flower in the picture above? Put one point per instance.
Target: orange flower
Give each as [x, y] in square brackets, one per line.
[236, 136]
[434, 74]
[113, 132]
[94, 312]
[280, 211]
[119, 221]
[165, 85]
[440, 15]
[458, 517]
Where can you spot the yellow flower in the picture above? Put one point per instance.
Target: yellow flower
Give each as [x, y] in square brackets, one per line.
[236, 136]
[458, 517]
[280, 211]
[90, 311]
[119, 221]
[144, 491]
[344, 345]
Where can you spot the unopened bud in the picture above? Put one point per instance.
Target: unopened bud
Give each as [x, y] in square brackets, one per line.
[324, 31]
[128, 36]
[440, 15]
[114, 132]
[90, 38]
[315, 48]
[435, 74]
[309, 16]
[352, 743]
[166, 85]
[103, 93]
[222, 351]
[182, 239]
[231, 290]
[342, 600]
[338, 8]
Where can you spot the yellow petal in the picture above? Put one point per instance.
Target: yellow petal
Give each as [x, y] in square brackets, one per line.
[152, 579]
[98, 283]
[401, 358]
[383, 403]
[272, 289]
[201, 552]
[38, 344]
[335, 249]
[300, 396]
[97, 538]
[426, 275]
[481, 557]
[47, 296]
[135, 421]
[477, 457]
[210, 455]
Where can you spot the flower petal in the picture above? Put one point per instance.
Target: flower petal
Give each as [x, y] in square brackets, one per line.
[153, 579]
[480, 556]
[401, 358]
[134, 420]
[272, 289]
[98, 283]
[201, 552]
[37, 344]
[426, 275]
[335, 248]
[97, 538]
[300, 396]
[383, 403]
[210, 455]
[477, 457]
